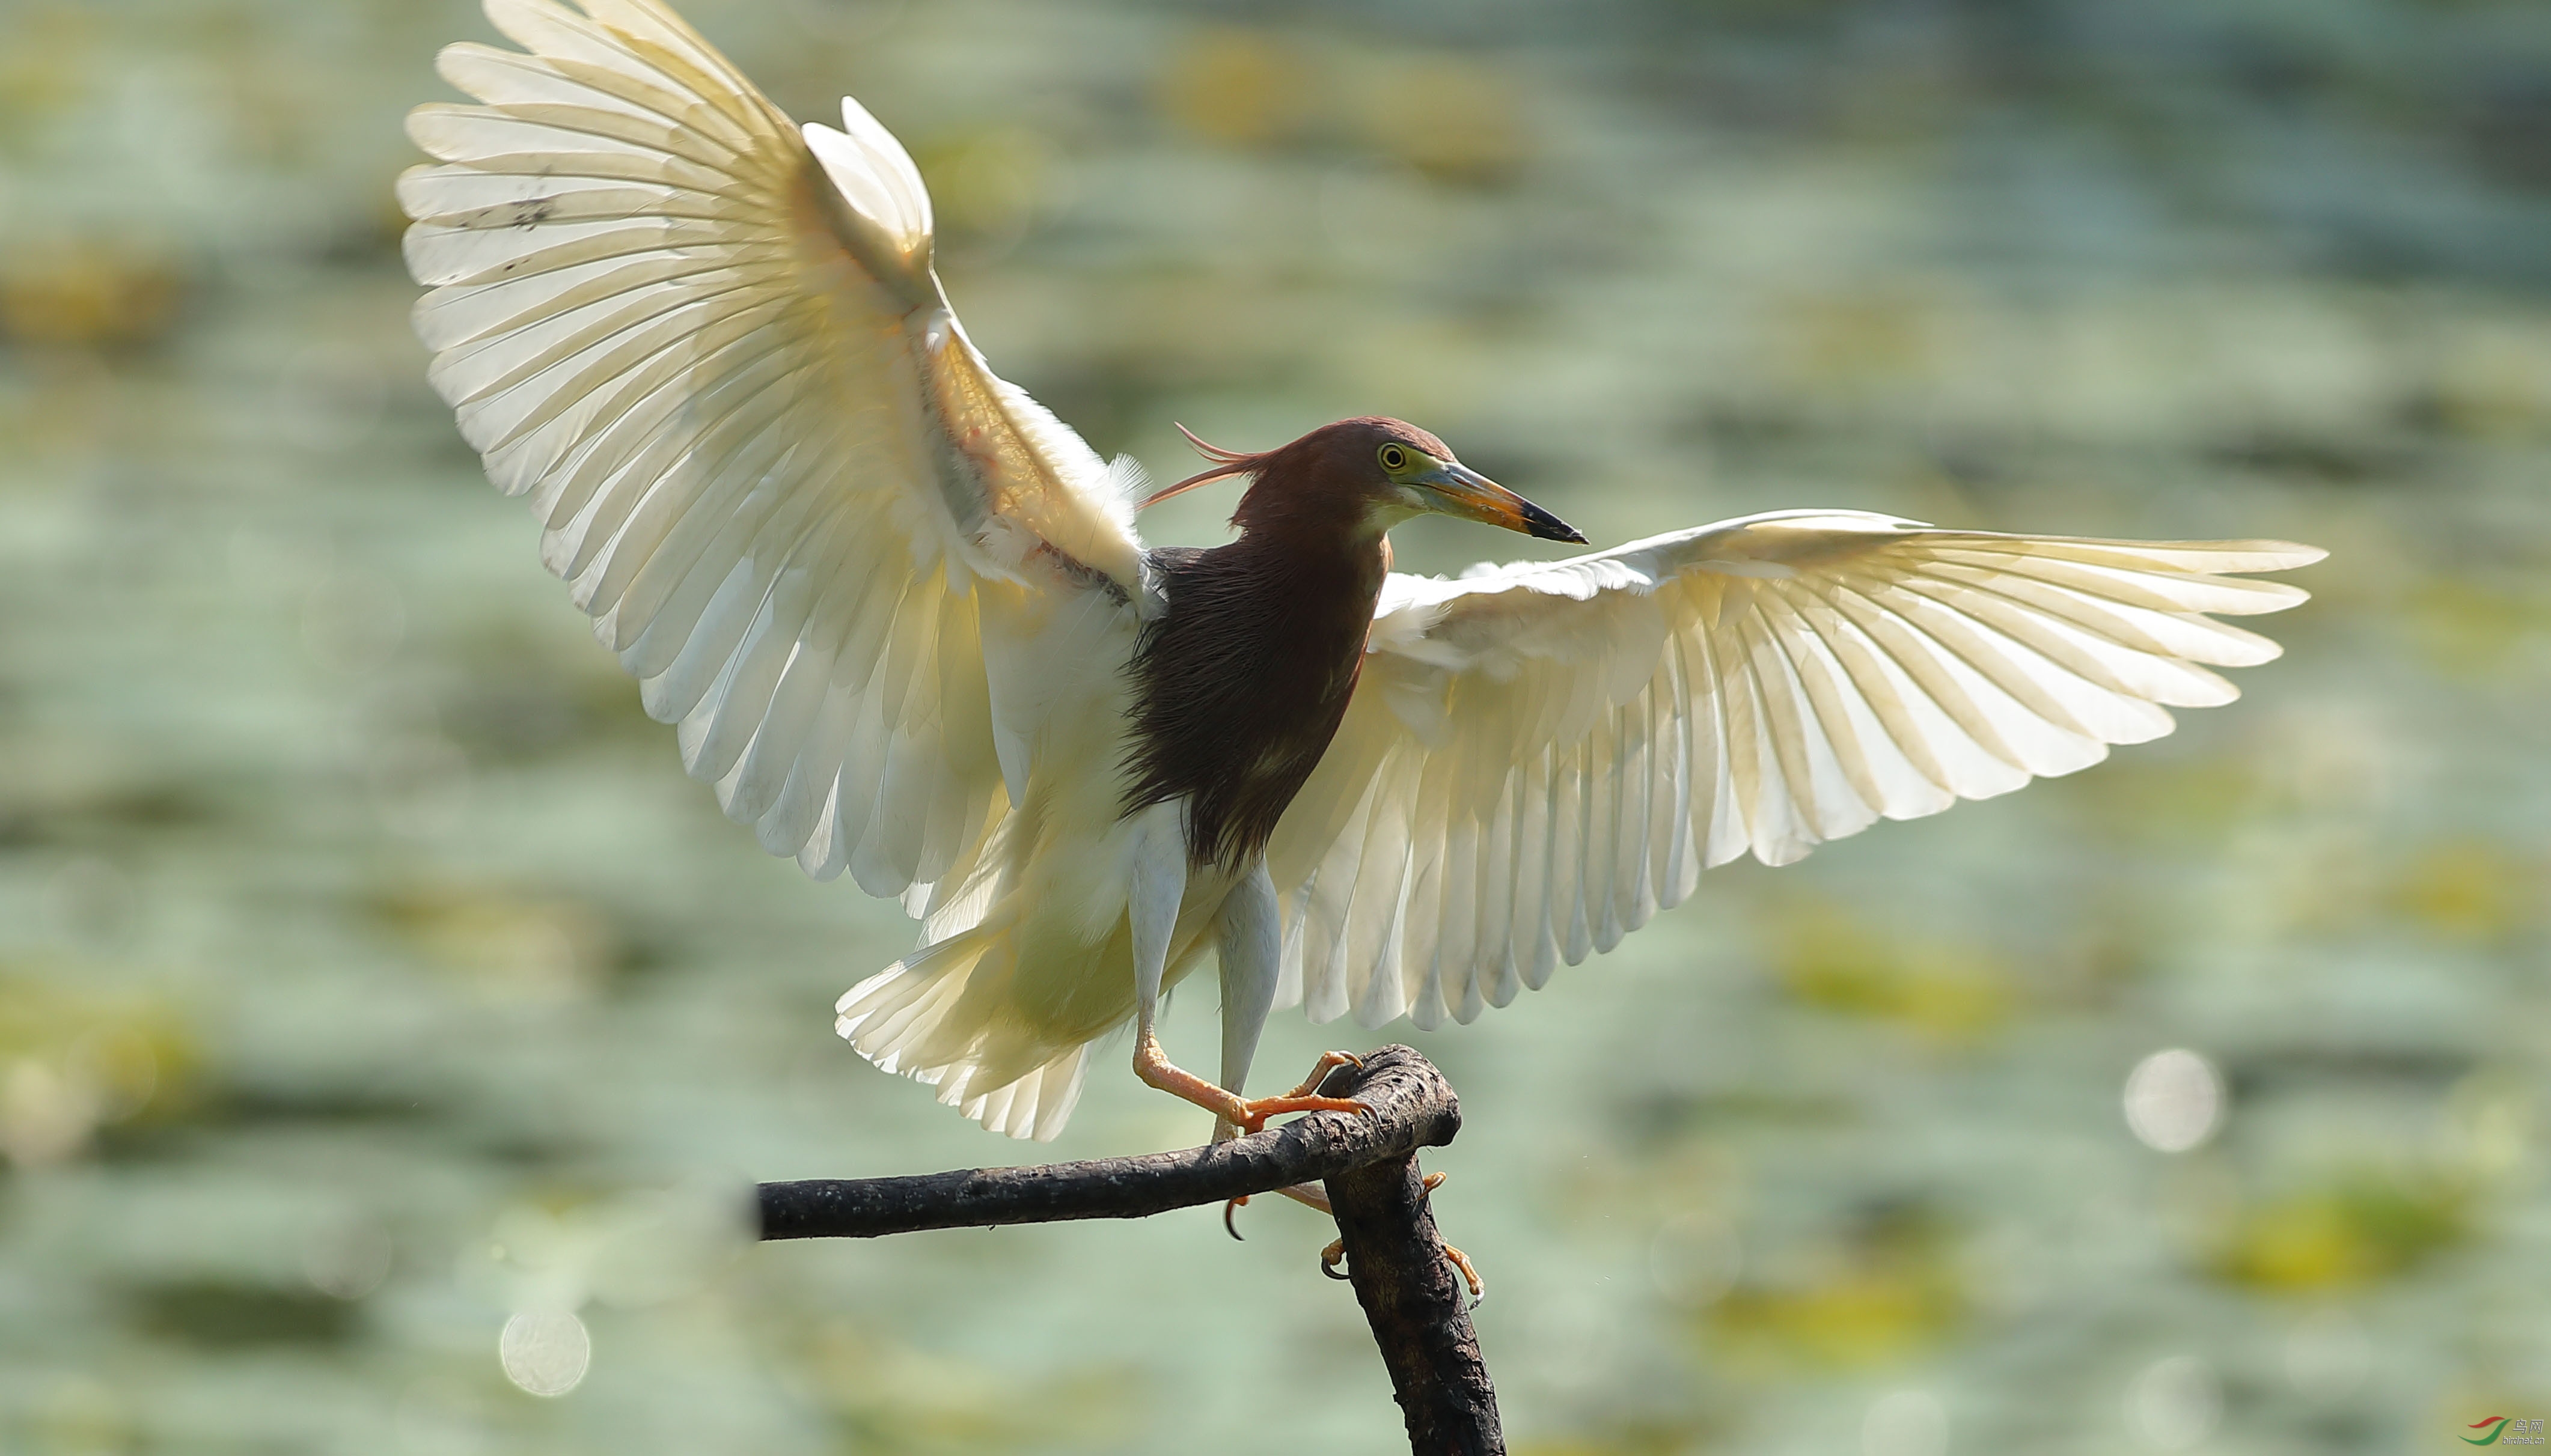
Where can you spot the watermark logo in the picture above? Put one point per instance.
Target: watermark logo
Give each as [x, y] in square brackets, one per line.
[2498, 1430]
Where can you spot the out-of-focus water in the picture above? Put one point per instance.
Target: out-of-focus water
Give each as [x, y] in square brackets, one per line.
[386, 1024]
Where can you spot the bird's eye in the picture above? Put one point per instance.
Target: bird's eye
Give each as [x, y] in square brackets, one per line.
[1394, 458]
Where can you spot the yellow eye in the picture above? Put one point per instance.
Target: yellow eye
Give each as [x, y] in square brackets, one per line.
[1394, 458]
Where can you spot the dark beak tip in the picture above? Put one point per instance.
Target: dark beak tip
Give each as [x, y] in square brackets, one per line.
[1541, 523]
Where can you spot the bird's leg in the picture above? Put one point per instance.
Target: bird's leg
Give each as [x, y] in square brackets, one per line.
[1152, 904]
[1156, 1069]
[1244, 1115]
[1152, 908]
[1249, 943]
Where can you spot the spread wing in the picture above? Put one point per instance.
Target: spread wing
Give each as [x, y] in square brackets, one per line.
[709, 348]
[1538, 757]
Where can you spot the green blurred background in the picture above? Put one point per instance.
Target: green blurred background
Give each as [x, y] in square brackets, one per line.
[370, 976]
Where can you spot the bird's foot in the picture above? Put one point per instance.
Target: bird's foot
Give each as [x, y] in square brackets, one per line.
[1254, 1112]
[1334, 1257]
[1333, 1263]
[1329, 1062]
[1241, 1114]
[1457, 1259]
[1234, 1117]
[1469, 1275]
[1305, 1098]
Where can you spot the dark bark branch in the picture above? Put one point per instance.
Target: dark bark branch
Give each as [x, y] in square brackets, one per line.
[1418, 1308]
[1410, 1293]
[1413, 1108]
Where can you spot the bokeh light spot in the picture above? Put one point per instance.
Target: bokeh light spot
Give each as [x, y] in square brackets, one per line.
[2173, 1100]
[546, 1352]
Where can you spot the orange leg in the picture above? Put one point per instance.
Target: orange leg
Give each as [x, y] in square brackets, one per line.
[1248, 1114]
[1311, 1195]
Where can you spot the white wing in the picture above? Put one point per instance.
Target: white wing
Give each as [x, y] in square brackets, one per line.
[1538, 757]
[710, 348]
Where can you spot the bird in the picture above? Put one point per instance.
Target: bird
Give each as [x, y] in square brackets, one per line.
[903, 623]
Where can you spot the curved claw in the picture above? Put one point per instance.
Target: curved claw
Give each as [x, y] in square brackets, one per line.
[1336, 1254]
[1228, 1206]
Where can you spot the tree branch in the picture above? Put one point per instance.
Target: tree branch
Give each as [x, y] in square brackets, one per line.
[1419, 1309]
[1412, 1108]
[1410, 1294]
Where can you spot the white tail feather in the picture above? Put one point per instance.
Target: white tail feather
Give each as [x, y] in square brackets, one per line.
[900, 1019]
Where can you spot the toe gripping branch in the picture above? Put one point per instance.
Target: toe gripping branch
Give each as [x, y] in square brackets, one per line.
[1306, 1098]
[1333, 1258]
[1405, 1282]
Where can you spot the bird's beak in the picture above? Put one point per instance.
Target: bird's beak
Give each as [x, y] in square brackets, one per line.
[1464, 492]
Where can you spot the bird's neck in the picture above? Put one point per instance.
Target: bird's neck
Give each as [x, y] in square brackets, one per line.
[1316, 564]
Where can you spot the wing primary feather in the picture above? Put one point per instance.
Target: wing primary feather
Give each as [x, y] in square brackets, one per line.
[754, 674]
[1495, 939]
[1602, 837]
[1541, 888]
[1923, 661]
[1572, 815]
[1819, 762]
[2127, 671]
[1811, 666]
[1728, 834]
[1682, 872]
[723, 462]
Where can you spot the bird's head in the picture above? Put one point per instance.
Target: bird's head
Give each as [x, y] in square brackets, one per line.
[1366, 474]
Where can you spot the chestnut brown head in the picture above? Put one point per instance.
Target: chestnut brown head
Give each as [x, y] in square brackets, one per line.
[1367, 473]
